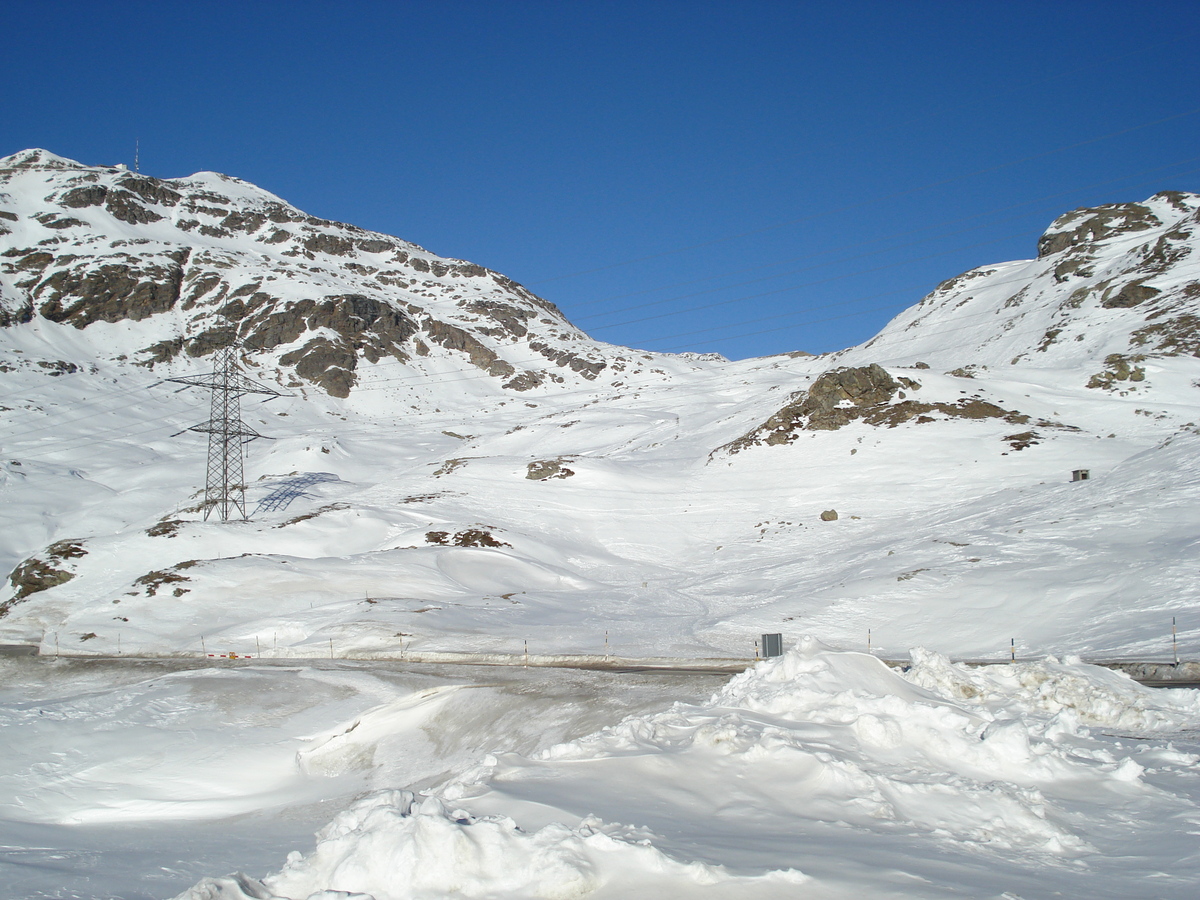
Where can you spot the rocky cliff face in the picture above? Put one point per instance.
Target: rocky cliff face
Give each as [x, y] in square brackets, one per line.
[208, 260]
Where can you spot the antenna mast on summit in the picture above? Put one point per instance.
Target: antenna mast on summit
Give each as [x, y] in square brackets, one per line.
[137, 152]
[225, 485]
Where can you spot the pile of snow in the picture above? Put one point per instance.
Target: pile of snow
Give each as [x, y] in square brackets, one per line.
[819, 773]
[404, 849]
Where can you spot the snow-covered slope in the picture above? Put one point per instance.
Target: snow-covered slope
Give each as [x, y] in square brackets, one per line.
[151, 270]
[478, 475]
[1118, 283]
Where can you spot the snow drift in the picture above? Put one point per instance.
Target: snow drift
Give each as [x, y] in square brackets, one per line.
[820, 773]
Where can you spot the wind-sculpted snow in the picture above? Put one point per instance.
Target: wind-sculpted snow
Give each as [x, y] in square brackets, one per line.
[393, 846]
[820, 773]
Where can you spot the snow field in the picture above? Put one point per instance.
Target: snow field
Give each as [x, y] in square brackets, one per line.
[671, 552]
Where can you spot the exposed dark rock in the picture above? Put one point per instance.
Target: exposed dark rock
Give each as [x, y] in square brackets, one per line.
[545, 469]
[1128, 295]
[1087, 225]
[524, 381]
[210, 341]
[830, 515]
[454, 338]
[470, 537]
[152, 581]
[123, 205]
[30, 260]
[58, 366]
[111, 292]
[373, 245]
[18, 316]
[821, 407]
[81, 197]
[42, 572]
[200, 285]
[864, 394]
[166, 528]
[1171, 335]
[449, 466]
[588, 368]
[151, 190]
[1118, 367]
[1074, 266]
[328, 364]
[1022, 440]
[53, 220]
[511, 318]
[249, 222]
[110, 280]
[329, 243]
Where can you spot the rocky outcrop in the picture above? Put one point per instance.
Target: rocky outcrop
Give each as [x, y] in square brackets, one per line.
[1090, 224]
[588, 368]
[835, 399]
[480, 536]
[866, 394]
[40, 573]
[110, 292]
[1118, 368]
[454, 338]
[546, 469]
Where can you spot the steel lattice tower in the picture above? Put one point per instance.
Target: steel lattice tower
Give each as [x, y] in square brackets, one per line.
[225, 485]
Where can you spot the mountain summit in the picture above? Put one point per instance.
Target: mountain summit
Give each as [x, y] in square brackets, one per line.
[204, 261]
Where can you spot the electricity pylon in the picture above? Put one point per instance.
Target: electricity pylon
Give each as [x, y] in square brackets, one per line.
[225, 487]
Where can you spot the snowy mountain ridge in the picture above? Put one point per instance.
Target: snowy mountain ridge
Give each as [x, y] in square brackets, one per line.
[473, 473]
[202, 261]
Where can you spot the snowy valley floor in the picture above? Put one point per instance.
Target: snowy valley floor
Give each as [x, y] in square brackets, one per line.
[820, 774]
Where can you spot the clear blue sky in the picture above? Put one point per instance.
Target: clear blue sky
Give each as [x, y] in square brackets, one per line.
[836, 159]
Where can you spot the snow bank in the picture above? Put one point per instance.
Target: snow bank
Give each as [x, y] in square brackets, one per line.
[970, 755]
[400, 848]
[808, 763]
[1069, 690]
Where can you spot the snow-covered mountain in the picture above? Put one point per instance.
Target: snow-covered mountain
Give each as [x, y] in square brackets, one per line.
[477, 474]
